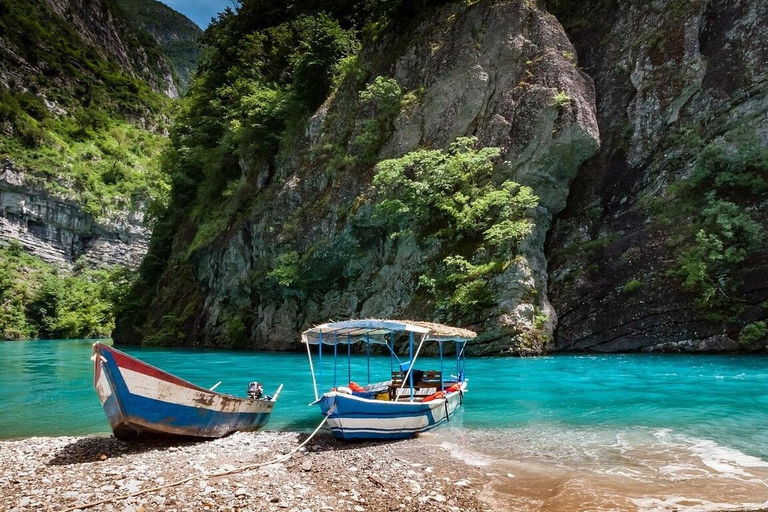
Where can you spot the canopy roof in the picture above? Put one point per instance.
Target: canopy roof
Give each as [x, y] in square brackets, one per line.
[378, 331]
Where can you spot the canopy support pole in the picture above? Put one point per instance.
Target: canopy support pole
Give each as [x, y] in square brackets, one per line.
[312, 368]
[335, 356]
[391, 353]
[442, 386]
[368, 354]
[349, 358]
[410, 364]
[458, 355]
[409, 373]
[320, 360]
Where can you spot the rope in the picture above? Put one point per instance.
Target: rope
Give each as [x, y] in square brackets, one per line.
[281, 458]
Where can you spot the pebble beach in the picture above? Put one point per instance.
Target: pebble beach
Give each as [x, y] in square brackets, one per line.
[68, 473]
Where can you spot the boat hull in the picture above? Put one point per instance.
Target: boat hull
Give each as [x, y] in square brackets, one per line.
[352, 417]
[141, 400]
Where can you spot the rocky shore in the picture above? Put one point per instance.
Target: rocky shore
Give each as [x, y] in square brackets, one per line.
[63, 473]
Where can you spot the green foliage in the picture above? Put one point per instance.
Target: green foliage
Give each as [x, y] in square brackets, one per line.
[561, 99]
[754, 335]
[381, 99]
[275, 76]
[286, 270]
[70, 127]
[39, 300]
[728, 176]
[176, 35]
[632, 286]
[451, 197]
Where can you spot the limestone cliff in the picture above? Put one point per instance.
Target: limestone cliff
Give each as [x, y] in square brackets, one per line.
[83, 113]
[642, 127]
[681, 88]
[59, 231]
[503, 71]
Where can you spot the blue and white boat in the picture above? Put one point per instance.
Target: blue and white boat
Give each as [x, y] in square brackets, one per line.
[411, 402]
[141, 400]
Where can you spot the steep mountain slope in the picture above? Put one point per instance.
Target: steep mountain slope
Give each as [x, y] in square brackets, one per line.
[283, 232]
[662, 244]
[176, 34]
[81, 129]
[316, 180]
[83, 111]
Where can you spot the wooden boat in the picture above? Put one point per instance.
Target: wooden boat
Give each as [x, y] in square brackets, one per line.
[409, 403]
[141, 400]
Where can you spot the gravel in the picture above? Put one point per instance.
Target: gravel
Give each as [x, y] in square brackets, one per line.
[56, 473]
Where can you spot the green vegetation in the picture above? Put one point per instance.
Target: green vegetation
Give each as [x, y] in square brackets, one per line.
[241, 114]
[561, 99]
[176, 35]
[632, 286]
[449, 197]
[754, 335]
[71, 127]
[40, 301]
[286, 270]
[382, 99]
[729, 177]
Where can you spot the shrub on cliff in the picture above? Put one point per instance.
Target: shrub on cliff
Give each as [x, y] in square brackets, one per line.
[754, 335]
[728, 176]
[451, 198]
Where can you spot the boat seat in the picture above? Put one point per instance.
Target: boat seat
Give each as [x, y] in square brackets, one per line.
[404, 394]
[427, 384]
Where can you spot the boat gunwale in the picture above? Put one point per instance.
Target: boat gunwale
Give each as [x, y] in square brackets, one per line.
[445, 396]
[99, 346]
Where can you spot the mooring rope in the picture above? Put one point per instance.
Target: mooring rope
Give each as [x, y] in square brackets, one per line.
[281, 458]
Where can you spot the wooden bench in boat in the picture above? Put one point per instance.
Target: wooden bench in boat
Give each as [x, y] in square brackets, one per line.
[427, 384]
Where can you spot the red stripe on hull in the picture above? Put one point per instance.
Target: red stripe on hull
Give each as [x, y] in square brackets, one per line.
[130, 363]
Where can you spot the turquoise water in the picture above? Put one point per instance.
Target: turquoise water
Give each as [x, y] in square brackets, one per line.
[46, 389]
[570, 432]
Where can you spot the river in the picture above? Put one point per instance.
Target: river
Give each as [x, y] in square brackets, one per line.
[640, 431]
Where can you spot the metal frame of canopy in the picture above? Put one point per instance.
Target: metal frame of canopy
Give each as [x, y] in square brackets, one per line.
[381, 332]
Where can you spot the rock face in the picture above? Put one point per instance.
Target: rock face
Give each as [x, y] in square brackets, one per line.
[77, 44]
[60, 232]
[111, 35]
[663, 70]
[176, 34]
[503, 71]
[610, 160]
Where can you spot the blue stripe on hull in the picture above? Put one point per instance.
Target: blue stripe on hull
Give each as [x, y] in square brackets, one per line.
[346, 408]
[132, 414]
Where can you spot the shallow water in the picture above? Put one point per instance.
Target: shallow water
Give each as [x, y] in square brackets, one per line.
[647, 432]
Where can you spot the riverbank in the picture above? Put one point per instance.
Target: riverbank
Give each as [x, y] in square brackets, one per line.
[59, 473]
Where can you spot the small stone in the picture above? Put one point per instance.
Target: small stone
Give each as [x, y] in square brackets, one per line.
[241, 491]
[439, 498]
[103, 456]
[461, 483]
[306, 465]
[358, 508]
[283, 504]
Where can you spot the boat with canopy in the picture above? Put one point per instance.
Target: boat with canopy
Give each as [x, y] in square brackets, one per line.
[411, 401]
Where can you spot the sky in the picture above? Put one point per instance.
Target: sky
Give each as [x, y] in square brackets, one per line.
[199, 11]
